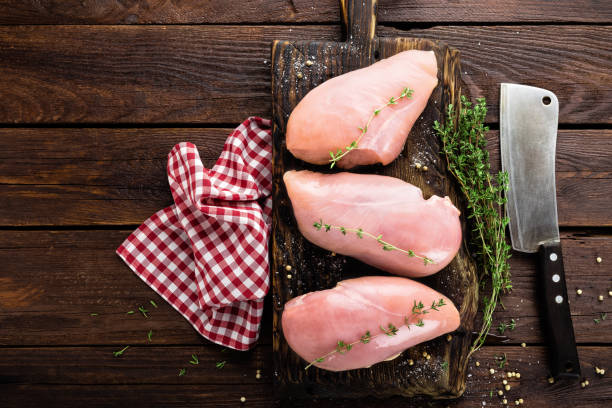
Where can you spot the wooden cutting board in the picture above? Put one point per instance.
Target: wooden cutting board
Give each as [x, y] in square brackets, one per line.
[313, 268]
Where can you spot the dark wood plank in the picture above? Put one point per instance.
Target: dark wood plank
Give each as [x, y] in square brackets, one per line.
[215, 74]
[91, 389]
[118, 176]
[158, 395]
[535, 56]
[221, 74]
[290, 11]
[50, 282]
[138, 365]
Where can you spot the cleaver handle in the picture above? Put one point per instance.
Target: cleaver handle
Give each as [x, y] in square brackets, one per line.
[557, 319]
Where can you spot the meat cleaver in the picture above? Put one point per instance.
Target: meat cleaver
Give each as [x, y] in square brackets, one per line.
[528, 136]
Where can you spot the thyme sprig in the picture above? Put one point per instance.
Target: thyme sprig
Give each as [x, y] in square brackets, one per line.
[418, 309]
[335, 157]
[120, 352]
[386, 246]
[463, 136]
[503, 326]
[502, 360]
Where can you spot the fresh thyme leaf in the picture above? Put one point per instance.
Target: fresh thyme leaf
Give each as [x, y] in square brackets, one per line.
[120, 352]
[463, 137]
[182, 372]
[366, 337]
[221, 364]
[420, 323]
[335, 157]
[512, 325]
[143, 311]
[153, 303]
[93, 314]
[150, 335]
[391, 330]
[506, 326]
[603, 316]
[320, 360]
[130, 312]
[194, 360]
[596, 321]
[502, 360]
[445, 365]
[341, 347]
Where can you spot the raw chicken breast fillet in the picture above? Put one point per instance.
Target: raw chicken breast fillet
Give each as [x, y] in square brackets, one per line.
[379, 205]
[328, 117]
[314, 323]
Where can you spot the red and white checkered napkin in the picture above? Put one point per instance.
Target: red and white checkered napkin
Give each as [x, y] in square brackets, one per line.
[207, 254]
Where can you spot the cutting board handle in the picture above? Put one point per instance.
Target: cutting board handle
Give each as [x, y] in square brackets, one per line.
[359, 19]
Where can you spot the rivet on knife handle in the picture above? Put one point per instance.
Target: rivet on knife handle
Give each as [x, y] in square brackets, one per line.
[557, 320]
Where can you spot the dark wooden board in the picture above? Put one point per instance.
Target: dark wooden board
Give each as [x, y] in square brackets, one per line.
[52, 377]
[221, 74]
[140, 364]
[107, 176]
[51, 281]
[305, 11]
[316, 269]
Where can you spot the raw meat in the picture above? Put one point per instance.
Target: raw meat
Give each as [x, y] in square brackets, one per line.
[314, 323]
[328, 117]
[379, 205]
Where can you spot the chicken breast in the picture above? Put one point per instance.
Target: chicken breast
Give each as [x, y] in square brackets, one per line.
[328, 118]
[379, 316]
[389, 214]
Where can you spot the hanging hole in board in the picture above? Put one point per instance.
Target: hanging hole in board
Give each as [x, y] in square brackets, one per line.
[376, 55]
[546, 100]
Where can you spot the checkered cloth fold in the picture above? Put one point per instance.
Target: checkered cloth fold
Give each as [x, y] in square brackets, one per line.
[207, 255]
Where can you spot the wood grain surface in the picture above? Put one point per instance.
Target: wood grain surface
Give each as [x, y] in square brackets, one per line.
[138, 385]
[221, 74]
[51, 281]
[291, 11]
[118, 176]
[82, 162]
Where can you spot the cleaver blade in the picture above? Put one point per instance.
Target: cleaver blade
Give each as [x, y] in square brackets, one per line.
[528, 138]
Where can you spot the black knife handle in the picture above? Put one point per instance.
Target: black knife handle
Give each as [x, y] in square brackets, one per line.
[557, 319]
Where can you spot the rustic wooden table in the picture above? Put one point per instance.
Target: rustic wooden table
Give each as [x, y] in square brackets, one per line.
[93, 95]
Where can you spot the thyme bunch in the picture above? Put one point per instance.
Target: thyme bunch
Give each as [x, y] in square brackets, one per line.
[418, 309]
[463, 137]
[386, 246]
[335, 157]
